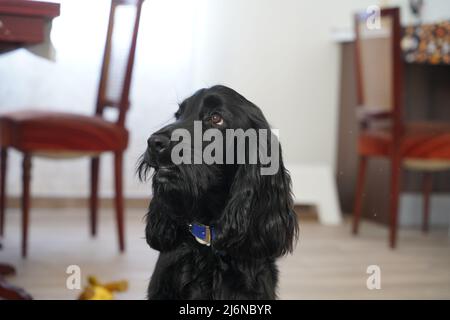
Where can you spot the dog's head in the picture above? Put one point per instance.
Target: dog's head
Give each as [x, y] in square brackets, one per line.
[220, 164]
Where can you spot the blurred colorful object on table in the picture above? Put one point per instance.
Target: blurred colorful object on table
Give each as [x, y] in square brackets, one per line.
[427, 43]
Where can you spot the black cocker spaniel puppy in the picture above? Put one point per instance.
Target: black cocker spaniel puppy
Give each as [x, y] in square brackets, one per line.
[219, 225]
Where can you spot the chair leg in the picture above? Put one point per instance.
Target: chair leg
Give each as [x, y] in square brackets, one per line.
[119, 199]
[25, 201]
[3, 160]
[95, 162]
[427, 187]
[359, 193]
[396, 169]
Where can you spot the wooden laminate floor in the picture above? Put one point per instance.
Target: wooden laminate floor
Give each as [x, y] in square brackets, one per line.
[328, 262]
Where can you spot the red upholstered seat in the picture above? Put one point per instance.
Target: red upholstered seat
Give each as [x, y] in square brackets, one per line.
[420, 140]
[37, 131]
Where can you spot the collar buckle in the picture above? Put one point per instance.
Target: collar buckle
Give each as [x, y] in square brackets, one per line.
[202, 233]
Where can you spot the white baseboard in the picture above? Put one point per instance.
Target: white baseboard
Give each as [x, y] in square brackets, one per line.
[316, 185]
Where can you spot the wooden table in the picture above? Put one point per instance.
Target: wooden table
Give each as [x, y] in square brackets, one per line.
[22, 23]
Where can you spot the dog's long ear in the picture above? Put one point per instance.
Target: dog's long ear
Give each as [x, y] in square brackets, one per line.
[258, 220]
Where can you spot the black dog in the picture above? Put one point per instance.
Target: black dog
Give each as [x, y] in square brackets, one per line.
[219, 227]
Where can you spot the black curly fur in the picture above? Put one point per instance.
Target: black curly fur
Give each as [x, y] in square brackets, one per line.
[252, 213]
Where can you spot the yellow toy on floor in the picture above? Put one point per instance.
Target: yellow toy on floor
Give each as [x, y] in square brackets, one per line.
[98, 291]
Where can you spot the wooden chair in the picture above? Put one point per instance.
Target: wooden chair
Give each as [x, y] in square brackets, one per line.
[383, 133]
[63, 134]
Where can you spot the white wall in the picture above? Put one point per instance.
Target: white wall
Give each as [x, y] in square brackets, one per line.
[278, 53]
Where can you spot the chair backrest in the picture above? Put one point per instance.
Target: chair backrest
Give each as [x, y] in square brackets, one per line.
[379, 68]
[118, 58]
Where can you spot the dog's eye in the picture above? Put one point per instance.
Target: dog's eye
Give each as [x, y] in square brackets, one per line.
[216, 119]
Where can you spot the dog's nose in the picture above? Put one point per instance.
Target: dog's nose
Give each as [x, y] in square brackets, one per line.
[158, 143]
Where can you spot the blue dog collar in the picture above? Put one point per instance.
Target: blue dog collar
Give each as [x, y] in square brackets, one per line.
[202, 233]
